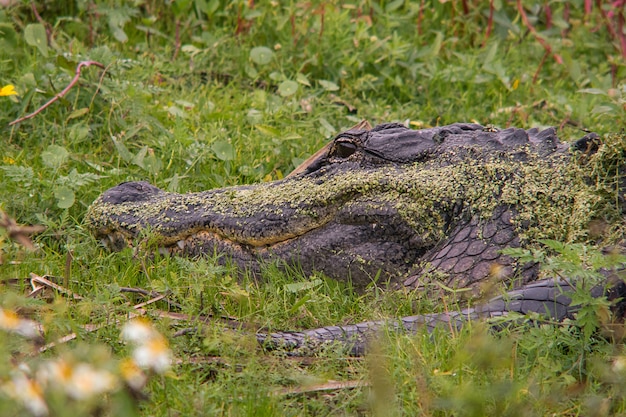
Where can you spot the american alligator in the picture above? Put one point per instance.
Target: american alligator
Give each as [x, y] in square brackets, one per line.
[408, 207]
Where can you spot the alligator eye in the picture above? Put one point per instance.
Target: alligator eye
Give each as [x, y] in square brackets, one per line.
[344, 149]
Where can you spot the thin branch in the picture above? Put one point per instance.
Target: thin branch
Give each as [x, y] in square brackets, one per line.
[546, 45]
[177, 40]
[43, 22]
[20, 234]
[62, 93]
[543, 60]
[489, 23]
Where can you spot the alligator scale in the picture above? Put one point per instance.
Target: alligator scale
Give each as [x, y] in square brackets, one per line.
[391, 204]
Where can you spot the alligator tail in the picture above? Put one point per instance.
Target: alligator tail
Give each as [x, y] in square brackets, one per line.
[546, 298]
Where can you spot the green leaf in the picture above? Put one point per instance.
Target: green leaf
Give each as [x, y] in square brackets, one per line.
[394, 5]
[328, 85]
[302, 79]
[138, 159]
[596, 91]
[35, 35]
[268, 130]
[54, 156]
[436, 45]
[261, 55]
[75, 180]
[223, 150]
[603, 109]
[122, 150]
[287, 88]
[79, 132]
[65, 197]
[297, 287]
[19, 174]
[78, 113]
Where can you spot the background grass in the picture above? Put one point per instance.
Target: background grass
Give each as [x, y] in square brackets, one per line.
[188, 102]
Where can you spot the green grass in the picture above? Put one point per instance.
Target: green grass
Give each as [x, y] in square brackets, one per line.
[208, 111]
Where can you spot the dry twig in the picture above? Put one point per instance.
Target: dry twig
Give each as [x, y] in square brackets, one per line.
[62, 93]
[20, 234]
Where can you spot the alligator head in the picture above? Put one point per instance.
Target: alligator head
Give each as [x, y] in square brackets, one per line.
[388, 202]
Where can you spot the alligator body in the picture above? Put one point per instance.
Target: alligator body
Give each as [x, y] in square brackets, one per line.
[408, 206]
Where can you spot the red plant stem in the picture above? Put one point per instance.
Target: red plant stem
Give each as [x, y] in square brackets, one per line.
[612, 31]
[489, 23]
[62, 93]
[465, 7]
[588, 7]
[176, 40]
[322, 12]
[620, 30]
[40, 20]
[292, 21]
[566, 12]
[548, 16]
[543, 60]
[420, 17]
[532, 30]
[609, 26]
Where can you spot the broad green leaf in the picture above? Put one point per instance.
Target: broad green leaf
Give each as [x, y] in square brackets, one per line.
[596, 91]
[287, 88]
[65, 63]
[8, 36]
[176, 111]
[54, 156]
[328, 85]
[302, 79]
[65, 197]
[78, 113]
[297, 287]
[394, 5]
[122, 150]
[35, 35]
[602, 109]
[268, 130]
[223, 150]
[261, 55]
[138, 159]
[152, 163]
[327, 129]
[436, 45]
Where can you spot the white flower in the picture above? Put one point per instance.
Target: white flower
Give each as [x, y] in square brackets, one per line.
[134, 377]
[151, 351]
[153, 354]
[138, 331]
[79, 381]
[11, 322]
[28, 393]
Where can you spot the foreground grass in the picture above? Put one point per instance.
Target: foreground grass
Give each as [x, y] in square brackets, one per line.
[206, 109]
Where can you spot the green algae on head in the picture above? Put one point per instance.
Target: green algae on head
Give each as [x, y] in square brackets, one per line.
[393, 199]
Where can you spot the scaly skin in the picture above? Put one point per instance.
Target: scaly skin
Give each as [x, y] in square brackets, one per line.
[413, 207]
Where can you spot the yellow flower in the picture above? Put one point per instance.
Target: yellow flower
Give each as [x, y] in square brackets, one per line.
[8, 90]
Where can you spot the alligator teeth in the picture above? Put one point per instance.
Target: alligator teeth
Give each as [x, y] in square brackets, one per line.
[181, 244]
